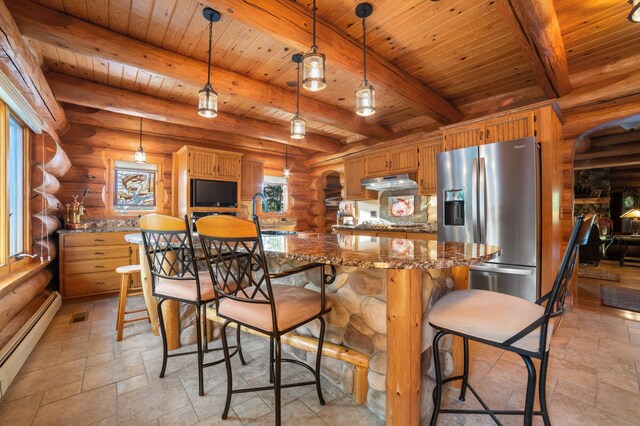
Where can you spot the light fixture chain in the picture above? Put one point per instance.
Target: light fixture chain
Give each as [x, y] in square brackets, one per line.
[364, 47]
[313, 45]
[209, 62]
[140, 133]
[298, 88]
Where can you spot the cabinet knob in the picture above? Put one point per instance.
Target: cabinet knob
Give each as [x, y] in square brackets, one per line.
[99, 252]
[99, 266]
[98, 240]
[99, 282]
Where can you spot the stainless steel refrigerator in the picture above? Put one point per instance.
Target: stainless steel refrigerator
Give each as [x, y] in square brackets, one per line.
[490, 194]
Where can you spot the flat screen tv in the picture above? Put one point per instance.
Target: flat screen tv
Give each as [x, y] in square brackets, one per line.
[213, 193]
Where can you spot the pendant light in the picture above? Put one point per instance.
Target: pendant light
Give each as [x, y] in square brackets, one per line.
[313, 66]
[207, 97]
[634, 15]
[140, 156]
[297, 122]
[365, 93]
[287, 171]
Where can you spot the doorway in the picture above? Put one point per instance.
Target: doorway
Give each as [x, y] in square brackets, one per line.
[332, 198]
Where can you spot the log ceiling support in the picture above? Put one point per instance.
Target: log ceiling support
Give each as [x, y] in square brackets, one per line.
[61, 30]
[81, 92]
[535, 25]
[21, 68]
[288, 22]
[111, 120]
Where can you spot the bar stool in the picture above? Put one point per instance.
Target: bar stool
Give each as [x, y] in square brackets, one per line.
[509, 323]
[127, 274]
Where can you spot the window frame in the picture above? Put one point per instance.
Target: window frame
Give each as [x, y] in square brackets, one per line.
[11, 263]
[287, 197]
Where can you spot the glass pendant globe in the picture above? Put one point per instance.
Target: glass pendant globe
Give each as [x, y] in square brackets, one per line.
[297, 127]
[313, 71]
[208, 102]
[139, 156]
[365, 100]
[634, 16]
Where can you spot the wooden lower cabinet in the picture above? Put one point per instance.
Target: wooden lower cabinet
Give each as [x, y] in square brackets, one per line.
[88, 262]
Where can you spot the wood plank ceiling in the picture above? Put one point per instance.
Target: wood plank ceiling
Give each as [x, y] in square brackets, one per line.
[462, 49]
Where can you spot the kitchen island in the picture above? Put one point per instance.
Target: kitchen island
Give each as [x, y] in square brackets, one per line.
[382, 292]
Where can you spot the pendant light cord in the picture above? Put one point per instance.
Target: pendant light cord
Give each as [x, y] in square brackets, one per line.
[313, 45]
[209, 62]
[141, 133]
[298, 88]
[364, 47]
[286, 156]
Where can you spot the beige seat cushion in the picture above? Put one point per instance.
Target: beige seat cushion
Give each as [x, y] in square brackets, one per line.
[294, 305]
[186, 289]
[490, 316]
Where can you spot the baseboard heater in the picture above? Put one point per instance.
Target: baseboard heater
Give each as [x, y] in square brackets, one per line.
[14, 354]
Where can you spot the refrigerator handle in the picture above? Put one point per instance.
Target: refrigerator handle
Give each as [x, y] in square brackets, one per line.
[474, 200]
[482, 200]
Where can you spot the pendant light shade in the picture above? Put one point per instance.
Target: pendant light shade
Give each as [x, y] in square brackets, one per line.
[365, 99]
[365, 93]
[207, 97]
[207, 102]
[634, 15]
[139, 156]
[298, 125]
[313, 66]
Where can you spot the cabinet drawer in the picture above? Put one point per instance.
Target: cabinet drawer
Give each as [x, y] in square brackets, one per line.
[421, 236]
[95, 239]
[86, 284]
[88, 253]
[96, 265]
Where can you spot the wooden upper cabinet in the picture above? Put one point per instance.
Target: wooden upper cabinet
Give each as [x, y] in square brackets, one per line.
[403, 160]
[392, 162]
[354, 172]
[428, 152]
[514, 126]
[377, 164]
[228, 166]
[202, 164]
[214, 165]
[252, 178]
[464, 136]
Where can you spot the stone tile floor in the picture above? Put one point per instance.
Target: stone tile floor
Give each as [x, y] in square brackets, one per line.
[79, 375]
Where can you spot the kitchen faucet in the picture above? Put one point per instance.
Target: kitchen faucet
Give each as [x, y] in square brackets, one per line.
[253, 204]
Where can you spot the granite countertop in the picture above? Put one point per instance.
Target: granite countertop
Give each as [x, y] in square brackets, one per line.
[370, 252]
[100, 229]
[394, 229]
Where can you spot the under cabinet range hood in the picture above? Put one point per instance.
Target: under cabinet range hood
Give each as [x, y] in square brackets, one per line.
[389, 183]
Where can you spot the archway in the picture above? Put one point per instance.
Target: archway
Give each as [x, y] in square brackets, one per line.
[325, 191]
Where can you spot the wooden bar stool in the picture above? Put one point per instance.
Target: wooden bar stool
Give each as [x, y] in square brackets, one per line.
[126, 272]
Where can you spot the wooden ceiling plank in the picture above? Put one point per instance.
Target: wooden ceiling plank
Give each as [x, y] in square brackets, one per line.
[81, 92]
[288, 22]
[139, 19]
[96, 12]
[21, 68]
[119, 12]
[183, 17]
[536, 27]
[49, 26]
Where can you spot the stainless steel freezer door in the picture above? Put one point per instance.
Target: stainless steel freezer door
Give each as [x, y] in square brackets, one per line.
[520, 281]
[509, 200]
[457, 170]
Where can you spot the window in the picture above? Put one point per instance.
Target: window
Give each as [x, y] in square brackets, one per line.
[15, 171]
[14, 223]
[275, 191]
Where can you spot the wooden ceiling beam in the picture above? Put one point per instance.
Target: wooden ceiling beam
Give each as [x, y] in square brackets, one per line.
[535, 26]
[290, 23]
[631, 148]
[602, 141]
[85, 93]
[21, 68]
[111, 120]
[58, 29]
[600, 163]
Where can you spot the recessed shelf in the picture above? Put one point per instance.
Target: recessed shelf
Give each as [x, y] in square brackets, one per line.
[604, 200]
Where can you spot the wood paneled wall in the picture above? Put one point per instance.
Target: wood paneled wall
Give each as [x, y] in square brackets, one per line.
[86, 143]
